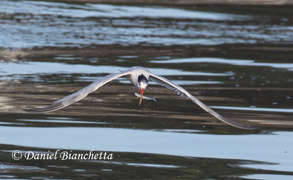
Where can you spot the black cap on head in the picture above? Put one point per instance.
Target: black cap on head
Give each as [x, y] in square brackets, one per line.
[142, 78]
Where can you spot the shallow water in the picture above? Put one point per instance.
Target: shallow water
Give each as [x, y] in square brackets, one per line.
[237, 60]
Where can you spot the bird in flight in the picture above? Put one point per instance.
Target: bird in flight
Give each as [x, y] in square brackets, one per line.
[139, 76]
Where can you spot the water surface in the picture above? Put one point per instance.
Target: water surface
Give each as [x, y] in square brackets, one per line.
[237, 60]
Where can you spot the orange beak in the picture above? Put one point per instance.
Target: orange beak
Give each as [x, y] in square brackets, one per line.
[141, 94]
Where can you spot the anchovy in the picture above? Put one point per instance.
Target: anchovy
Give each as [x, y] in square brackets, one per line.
[145, 97]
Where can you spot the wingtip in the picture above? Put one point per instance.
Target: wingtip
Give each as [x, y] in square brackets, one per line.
[247, 127]
[238, 125]
[36, 110]
[51, 108]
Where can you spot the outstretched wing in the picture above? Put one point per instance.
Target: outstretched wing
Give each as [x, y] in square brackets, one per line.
[77, 96]
[182, 92]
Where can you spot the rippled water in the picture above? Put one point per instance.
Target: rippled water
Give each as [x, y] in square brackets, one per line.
[236, 59]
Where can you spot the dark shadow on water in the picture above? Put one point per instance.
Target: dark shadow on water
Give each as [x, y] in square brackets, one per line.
[129, 166]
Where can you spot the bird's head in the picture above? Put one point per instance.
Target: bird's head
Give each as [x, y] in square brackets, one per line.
[142, 84]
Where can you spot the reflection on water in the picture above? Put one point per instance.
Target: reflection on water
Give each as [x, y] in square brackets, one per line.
[38, 67]
[65, 25]
[237, 61]
[154, 142]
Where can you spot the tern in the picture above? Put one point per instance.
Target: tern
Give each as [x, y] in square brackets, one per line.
[139, 77]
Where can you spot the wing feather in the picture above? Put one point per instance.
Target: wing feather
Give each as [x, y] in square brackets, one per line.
[160, 82]
[182, 92]
[77, 96]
